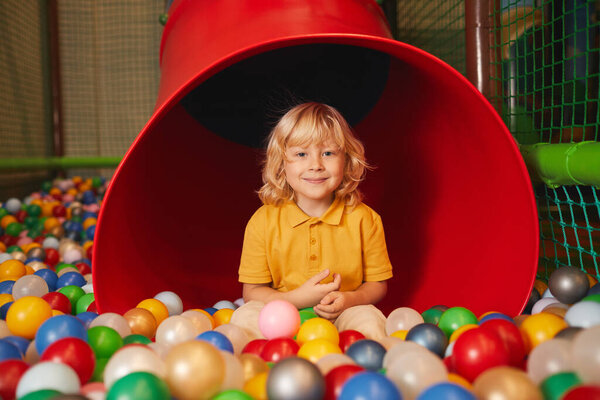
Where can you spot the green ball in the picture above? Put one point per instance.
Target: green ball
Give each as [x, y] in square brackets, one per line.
[134, 338]
[455, 317]
[12, 248]
[33, 210]
[162, 18]
[30, 221]
[592, 297]
[61, 266]
[76, 218]
[3, 212]
[34, 232]
[554, 386]
[98, 375]
[139, 386]
[84, 302]
[14, 229]
[104, 341]
[73, 293]
[96, 182]
[432, 316]
[232, 394]
[306, 314]
[41, 395]
[46, 186]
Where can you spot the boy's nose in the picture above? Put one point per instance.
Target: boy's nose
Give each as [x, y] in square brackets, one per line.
[316, 163]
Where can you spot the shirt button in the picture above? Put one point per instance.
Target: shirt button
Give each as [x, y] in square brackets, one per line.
[313, 241]
[313, 257]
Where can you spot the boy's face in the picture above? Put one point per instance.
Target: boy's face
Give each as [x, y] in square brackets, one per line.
[314, 172]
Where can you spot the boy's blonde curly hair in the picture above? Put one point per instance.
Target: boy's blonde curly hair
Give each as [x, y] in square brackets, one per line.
[303, 125]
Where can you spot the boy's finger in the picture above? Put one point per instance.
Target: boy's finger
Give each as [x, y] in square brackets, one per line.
[320, 276]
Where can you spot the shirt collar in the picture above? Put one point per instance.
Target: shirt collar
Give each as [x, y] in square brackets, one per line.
[332, 216]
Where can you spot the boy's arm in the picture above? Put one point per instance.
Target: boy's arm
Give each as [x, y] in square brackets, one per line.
[332, 305]
[310, 293]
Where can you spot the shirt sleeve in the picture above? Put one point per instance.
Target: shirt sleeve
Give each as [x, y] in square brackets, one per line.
[254, 267]
[376, 261]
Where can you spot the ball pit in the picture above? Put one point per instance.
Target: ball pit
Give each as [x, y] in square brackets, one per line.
[163, 348]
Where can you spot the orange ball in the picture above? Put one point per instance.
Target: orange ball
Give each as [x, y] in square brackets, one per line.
[222, 316]
[50, 223]
[141, 321]
[317, 328]
[541, 327]
[87, 245]
[72, 191]
[77, 179]
[5, 298]
[26, 314]
[7, 220]
[12, 270]
[540, 286]
[460, 331]
[47, 208]
[54, 191]
[156, 307]
[37, 202]
[89, 222]
[257, 386]
[2, 247]
[84, 187]
[459, 380]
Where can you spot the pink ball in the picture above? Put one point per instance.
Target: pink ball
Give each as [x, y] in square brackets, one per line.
[67, 198]
[91, 207]
[279, 318]
[24, 240]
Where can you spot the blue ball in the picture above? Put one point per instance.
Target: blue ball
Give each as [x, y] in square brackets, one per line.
[58, 327]
[367, 353]
[90, 232]
[594, 290]
[71, 278]
[446, 391]
[88, 214]
[211, 310]
[21, 343]
[6, 287]
[33, 259]
[369, 385]
[88, 197]
[217, 339]
[49, 276]
[4, 309]
[87, 317]
[495, 316]
[429, 336]
[9, 351]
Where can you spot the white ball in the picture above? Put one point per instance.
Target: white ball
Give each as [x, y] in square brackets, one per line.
[114, 321]
[50, 243]
[239, 302]
[224, 304]
[542, 303]
[13, 205]
[48, 375]
[29, 285]
[88, 288]
[172, 301]
[5, 257]
[72, 255]
[547, 294]
[584, 314]
[132, 359]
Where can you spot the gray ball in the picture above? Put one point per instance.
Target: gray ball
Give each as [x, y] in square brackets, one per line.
[295, 378]
[568, 284]
[37, 252]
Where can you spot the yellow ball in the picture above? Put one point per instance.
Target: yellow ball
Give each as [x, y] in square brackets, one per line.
[257, 386]
[5, 298]
[317, 328]
[541, 327]
[459, 380]
[7, 220]
[12, 269]
[461, 330]
[156, 307]
[89, 222]
[26, 314]
[210, 317]
[314, 349]
[222, 316]
[400, 334]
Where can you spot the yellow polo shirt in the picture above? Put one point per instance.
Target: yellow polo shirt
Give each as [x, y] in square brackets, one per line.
[285, 246]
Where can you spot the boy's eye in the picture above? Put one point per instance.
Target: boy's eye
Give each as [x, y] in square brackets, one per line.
[301, 154]
[328, 153]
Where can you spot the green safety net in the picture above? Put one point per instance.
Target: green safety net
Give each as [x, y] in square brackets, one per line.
[545, 59]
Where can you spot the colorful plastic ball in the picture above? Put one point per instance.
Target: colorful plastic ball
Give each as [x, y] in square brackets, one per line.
[232, 394]
[295, 379]
[512, 338]
[255, 346]
[156, 307]
[141, 321]
[369, 385]
[548, 358]
[114, 321]
[403, 318]
[279, 318]
[136, 339]
[194, 367]
[279, 348]
[494, 315]
[555, 386]
[541, 327]
[317, 328]
[139, 386]
[56, 328]
[238, 337]
[217, 339]
[337, 377]
[84, 302]
[222, 316]
[13, 205]
[455, 317]
[446, 391]
[132, 358]
[52, 257]
[586, 355]
[172, 301]
[568, 284]
[12, 270]
[21, 343]
[4, 310]
[26, 315]
[583, 392]
[584, 314]
[256, 386]
[6, 286]
[104, 341]
[477, 350]
[29, 285]
[315, 349]
[11, 373]
[348, 337]
[210, 310]
[86, 318]
[75, 353]
[460, 331]
[505, 383]
[429, 336]
[48, 376]
[9, 351]
[367, 353]
[432, 315]
[174, 330]
[306, 314]
[73, 293]
[542, 303]
[49, 276]
[70, 278]
[224, 304]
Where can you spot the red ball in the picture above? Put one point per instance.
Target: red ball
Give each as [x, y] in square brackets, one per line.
[11, 372]
[335, 379]
[20, 215]
[278, 349]
[52, 257]
[57, 196]
[39, 239]
[58, 301]
[92, 307]
[88, 252]
[449, 363]
[586, 392]
[9, 240]
[75, 353]
[512, 339]
[476, 350]
[83, 268]
[255, 346]
[348, 337]
[59, 210]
